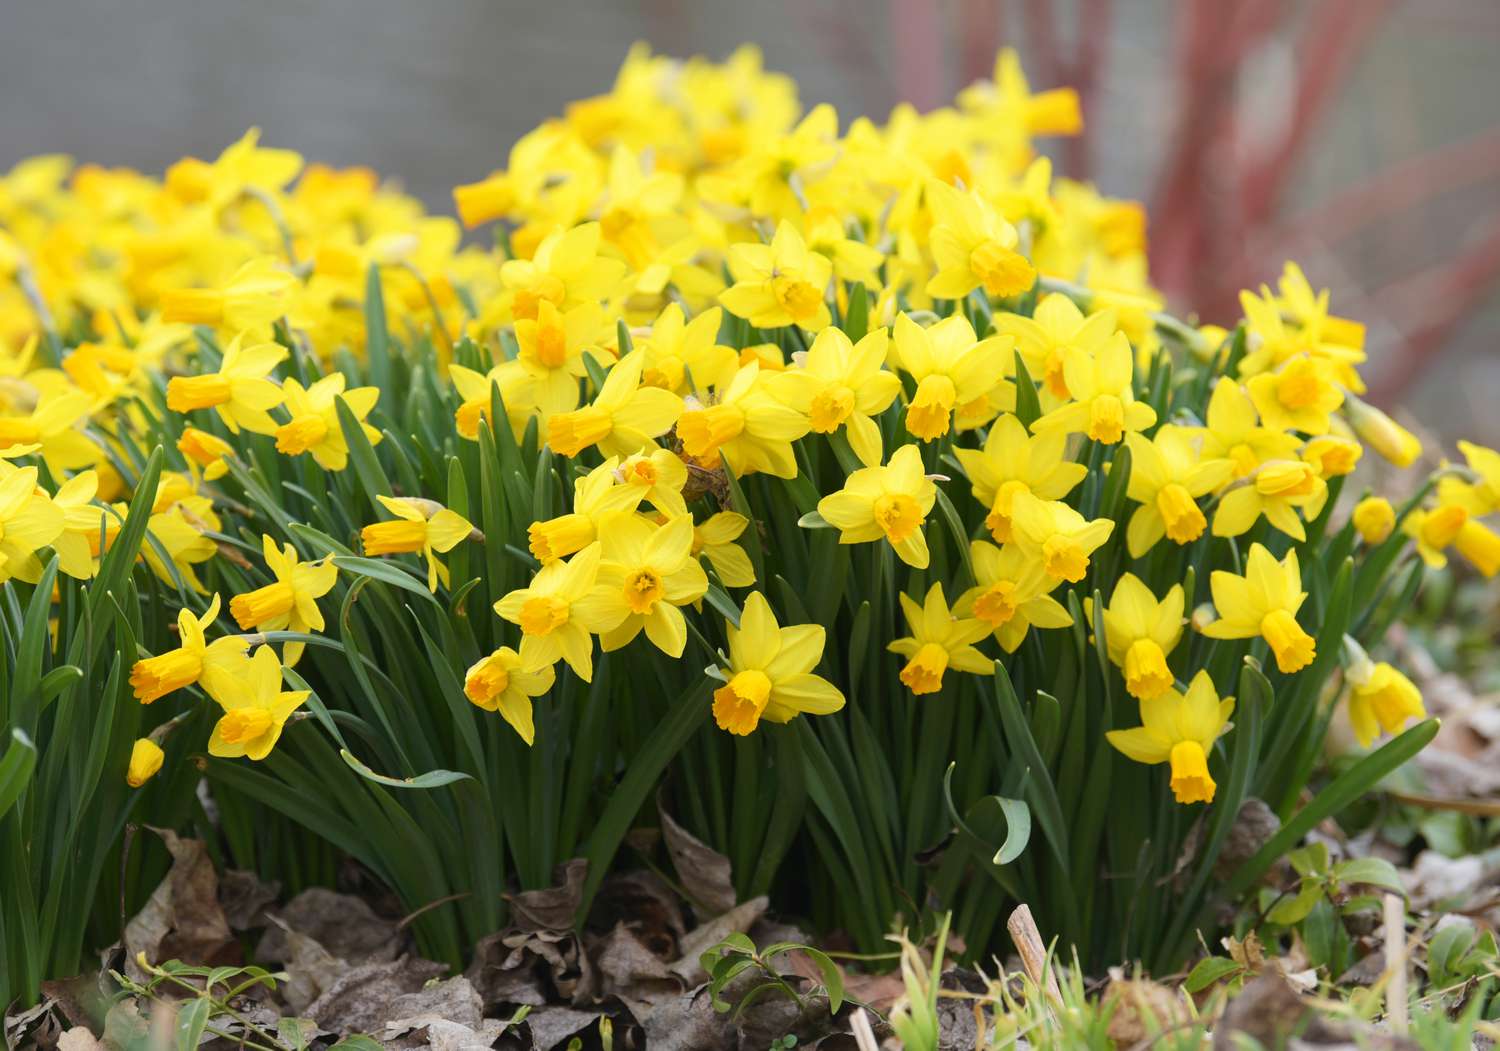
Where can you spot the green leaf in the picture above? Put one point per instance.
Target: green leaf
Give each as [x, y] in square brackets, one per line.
[191, 1021]
[431, 779]
[362, 458]
[16, 767]
[1294, 910]
[833, 978]
[1038, 788]
[377, 338]
[1373, 872]
[385, 572]
[1028, 403]
[1207, 971]
[814, 520]
[857, 317]
[1444, 951]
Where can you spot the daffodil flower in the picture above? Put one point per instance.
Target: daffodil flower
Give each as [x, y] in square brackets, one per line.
[314, 425]
[256, 708]
[973, 246]
[239, 391]
[1180, 729]
[657, 478]
[623, 418]
[1042, 339]
[207, 451]
[1381, 698]
[951, 366]
[1299, 396]
[290, 603]
[503, 683]
[746, 425]
[678, 351]
[596, 498]
[554, 348]
[1104, 405]
[1058, 536]
[28, 520]
[1279, 489]
[1011, 594]
[1013, 462]
[782, 283]
[770, 672]
[565, 270]
[1140, 633]
[890, 502]
[1233, 433]
[421, 527]
[1264, 601]
[647, 572]
[842, 384]
[255, 296]
[145, 761]
[195, 660]
[1167, 476]
[559, 611]
[939, 640]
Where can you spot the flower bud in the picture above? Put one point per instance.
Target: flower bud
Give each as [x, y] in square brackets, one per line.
[1374, 517]
[1380, 432]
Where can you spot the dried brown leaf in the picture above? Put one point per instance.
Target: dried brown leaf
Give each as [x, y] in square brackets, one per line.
[705, 874]
[182, 919]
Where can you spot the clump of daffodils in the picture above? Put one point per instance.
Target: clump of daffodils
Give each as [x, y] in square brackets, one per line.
[721, 318]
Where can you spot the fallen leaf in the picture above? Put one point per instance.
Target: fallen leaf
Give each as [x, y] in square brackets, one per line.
[1142, 1008]
[631, 971]
[244, 896]
[362, 998]
[705, 874]
[182, 919]
[645, 903]
[553, 908]
[78, 1039]
[535, 968]
[345, 926]
[550, 1026]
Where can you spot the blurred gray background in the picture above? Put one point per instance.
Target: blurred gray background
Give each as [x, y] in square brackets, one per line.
[1361, 137]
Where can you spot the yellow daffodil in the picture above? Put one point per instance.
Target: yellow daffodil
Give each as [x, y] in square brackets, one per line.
[1374, 518]
[623, 418]
[502, 683]
[1233, 433]
[1057, 325]
[1479, 544]
[746, 425]
[206, 451]
[842, 384]
[481, 202]
[256, 708]
[314, 426]
[1332, 455]
[517, 393]
[889, 502]
[257, 294]
[565, 270]
[1104, 405]
[554, 346]
[1299, 396]
[1180, 729]
[1279, 489]
[1381, 699]
[1060, 537]
[658, 478]
[1167, 476]
[973, 247]
[714, 539]
[28, 520]
[1010, 595]
[596, 499]
[1264, 601]
[939, 640]
[87, 527]
[195, 659]
[1012, 462]
[558, 612]
[647, 572]
[1140, 633]
[52, 428]
[951, 366]
[1381, 433]
[685, 356]
[239, 391]
[782, 283]
[770, 672]
[145, 761]
[1479, 492]
[1434, 529]
[420, 527]
[290, 603]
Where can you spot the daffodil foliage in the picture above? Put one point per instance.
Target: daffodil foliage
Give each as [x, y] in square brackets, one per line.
[847, 480]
